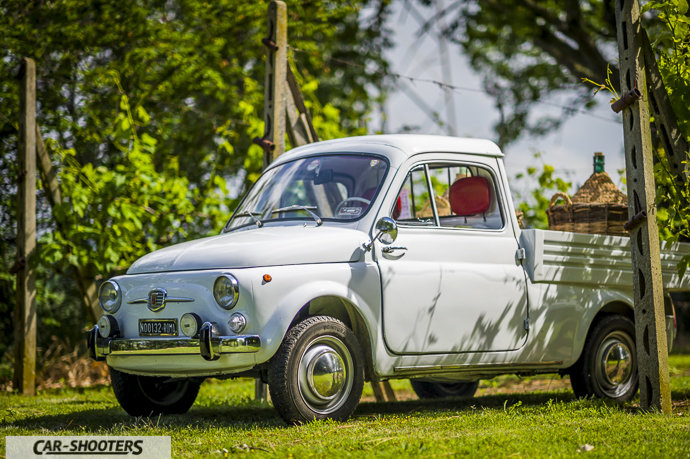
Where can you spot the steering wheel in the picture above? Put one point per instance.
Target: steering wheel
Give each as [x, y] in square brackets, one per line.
[354, 198]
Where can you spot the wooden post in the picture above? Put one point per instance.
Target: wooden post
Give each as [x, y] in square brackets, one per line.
[273, 141]
[300, 127]
[284, 108]
[25, 312]
[650, 330]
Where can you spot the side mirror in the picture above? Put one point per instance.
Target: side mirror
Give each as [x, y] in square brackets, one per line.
[388, 229]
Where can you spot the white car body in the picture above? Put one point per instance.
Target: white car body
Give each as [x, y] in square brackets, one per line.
[456, 305]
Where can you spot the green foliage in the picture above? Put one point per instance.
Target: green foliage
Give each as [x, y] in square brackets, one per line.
[151, 107]
[672, 195]
[534, 203]
[606, 86]
[672, 46]
[113, 215]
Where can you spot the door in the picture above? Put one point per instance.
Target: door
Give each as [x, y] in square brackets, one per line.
[456, 286]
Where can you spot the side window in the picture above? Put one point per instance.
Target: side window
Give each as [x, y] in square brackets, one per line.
[466, 197]
[412, 206]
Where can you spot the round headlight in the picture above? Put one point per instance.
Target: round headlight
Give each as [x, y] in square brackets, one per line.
[237, 322]
[109, 296]
[190, 324]
[226, 291]
[107, 327]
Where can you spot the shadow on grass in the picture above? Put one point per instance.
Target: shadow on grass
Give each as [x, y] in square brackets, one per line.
[461, 404]
[240, 417]
[264, 416]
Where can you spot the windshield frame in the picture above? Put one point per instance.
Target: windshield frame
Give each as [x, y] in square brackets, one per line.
[307, 217]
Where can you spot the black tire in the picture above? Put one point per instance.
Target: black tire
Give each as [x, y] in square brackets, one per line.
[151, 396]
[310, 350]
[431, 390]
[607, 367]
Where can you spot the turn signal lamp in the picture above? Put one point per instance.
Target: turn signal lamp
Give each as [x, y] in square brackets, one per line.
[237, 322]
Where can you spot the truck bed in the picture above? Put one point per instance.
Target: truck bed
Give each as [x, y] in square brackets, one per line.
[573, 258]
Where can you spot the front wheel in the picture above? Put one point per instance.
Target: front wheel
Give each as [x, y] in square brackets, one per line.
[431, 390]
[151, 396]
[607, 367]
[318, 372]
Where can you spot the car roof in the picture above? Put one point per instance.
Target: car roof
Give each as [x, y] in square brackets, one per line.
[397, 147]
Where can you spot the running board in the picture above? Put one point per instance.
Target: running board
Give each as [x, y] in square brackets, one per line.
[480, 366]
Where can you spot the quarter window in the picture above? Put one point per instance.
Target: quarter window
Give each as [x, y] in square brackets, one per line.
[412, 206]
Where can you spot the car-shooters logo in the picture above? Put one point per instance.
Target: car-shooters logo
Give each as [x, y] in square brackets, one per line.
[88, 447]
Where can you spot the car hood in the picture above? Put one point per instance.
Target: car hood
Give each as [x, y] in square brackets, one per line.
[267, 246]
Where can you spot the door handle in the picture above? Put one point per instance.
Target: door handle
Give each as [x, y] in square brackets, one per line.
[391, 249]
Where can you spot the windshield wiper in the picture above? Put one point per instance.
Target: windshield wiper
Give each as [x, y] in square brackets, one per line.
[307, 209]
[251, 214]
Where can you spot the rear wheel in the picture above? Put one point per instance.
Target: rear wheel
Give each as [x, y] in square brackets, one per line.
[607, 367]
[430, 390]
[150, 396]
[318, 372]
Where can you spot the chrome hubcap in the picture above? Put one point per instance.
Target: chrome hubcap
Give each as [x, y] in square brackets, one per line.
[325, 374]
[615, 364]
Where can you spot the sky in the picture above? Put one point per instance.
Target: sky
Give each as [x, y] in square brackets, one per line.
[569, 149]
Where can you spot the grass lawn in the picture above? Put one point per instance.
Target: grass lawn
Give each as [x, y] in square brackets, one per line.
[533, 417]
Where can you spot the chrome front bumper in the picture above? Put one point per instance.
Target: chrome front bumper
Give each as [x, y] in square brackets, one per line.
[208, 345]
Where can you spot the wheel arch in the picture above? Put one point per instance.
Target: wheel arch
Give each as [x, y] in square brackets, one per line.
[613, 304]
[350, 314]
[326, 298]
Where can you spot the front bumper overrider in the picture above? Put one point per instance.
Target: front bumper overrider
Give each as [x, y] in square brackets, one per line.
[208, 345]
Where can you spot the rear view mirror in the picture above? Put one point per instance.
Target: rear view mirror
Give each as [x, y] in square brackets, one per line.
[387, 232]
[325, 176]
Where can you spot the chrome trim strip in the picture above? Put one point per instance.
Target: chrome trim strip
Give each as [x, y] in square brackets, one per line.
[175, 346]
[168, 299]
[488, 366]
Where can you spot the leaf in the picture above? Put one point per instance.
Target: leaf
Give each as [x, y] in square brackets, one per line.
[228, 147]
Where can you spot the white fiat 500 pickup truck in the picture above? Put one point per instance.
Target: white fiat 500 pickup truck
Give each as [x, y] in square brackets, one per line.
[368, 259]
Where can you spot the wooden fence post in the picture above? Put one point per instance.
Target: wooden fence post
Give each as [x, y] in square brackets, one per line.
[650, 330]
[25, 311]
[273, 141]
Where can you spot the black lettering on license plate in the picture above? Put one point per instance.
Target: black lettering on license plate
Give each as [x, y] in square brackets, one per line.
[158, 327]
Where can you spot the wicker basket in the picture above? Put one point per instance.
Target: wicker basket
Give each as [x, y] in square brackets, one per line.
[599, 207]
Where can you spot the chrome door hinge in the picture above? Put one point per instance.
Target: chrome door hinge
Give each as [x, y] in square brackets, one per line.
[520, 254]
[526, 324]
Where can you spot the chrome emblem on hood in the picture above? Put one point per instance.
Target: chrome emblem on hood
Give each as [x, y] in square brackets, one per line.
[156, 300]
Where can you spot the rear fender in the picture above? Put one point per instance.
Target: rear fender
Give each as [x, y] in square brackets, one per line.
[601, 302]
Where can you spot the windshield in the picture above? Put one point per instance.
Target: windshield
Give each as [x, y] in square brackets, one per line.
[334, 187]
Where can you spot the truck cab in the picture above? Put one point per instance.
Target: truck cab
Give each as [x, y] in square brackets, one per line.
[367, 259]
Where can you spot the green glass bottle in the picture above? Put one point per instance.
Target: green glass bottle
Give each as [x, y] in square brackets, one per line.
[598, 162]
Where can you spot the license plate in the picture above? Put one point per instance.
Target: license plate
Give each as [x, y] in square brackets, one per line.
[157, 327]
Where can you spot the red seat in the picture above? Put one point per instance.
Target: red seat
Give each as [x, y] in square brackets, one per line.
[470, 196]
